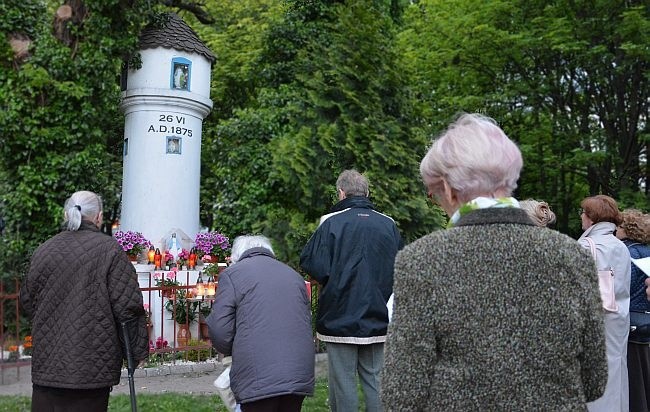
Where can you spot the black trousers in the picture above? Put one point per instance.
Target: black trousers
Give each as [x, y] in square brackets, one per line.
[638, 372]
[284, 403]
[48, 399]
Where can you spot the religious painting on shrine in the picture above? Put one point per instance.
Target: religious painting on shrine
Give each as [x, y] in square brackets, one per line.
[181, 74]
[174, 144]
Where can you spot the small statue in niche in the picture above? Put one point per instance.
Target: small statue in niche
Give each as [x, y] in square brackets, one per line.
[181, 72]
[173, 247]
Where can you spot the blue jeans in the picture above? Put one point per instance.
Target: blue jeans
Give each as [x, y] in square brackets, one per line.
[345, 361]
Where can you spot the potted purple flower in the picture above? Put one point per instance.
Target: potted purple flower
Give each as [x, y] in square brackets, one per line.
[212, 247]
[133, 243]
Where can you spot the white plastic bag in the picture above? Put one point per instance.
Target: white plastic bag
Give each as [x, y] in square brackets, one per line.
[222, 383]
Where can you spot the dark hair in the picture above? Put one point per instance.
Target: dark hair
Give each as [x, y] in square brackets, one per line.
[601, 208]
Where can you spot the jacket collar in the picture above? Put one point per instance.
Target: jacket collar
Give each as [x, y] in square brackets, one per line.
[600, 228]
[353, 201]
[88, 225]
[495, 215]
[256, 251]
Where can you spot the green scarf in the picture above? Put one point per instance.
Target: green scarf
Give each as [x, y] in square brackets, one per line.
[481, 203]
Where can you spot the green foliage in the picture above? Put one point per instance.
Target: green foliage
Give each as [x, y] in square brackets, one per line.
[198, 355]
[329, 97]
[24, 17]
[15, 403]
[168, 402]
[61, 127]
[564, 80]
[304, 89]
[182, 310]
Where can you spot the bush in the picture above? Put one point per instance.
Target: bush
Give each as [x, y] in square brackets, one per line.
[198, 355]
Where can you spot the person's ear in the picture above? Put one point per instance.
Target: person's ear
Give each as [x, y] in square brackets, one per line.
[449, 193]
[341, 194]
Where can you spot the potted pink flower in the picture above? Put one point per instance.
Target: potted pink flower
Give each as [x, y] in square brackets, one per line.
[133, 243]
[183, 256]
[212, 246]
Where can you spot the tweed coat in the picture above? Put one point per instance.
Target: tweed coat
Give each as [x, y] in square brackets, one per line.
[80, 285]
[611, 252]
[494, 314]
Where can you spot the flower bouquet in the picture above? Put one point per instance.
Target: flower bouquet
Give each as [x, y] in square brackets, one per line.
[211, 247]
[161, 343]
[168, 258]
[183, 256]
[133, 243]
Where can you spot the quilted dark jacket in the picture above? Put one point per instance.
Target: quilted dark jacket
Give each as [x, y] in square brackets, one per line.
[80, 285]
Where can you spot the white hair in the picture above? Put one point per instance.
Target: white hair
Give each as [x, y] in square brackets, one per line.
[82, 205]
[475, 157]
[243, 243]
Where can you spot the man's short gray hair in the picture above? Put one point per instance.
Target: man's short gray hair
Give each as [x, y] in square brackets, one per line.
[352, 183]
[246, 242]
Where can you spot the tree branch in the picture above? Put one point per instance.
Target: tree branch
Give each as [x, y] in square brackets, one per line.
[196, 8]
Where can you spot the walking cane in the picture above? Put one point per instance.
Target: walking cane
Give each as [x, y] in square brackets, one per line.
[130, 366]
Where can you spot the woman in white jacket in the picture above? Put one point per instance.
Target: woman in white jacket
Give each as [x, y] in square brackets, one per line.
[600, 217]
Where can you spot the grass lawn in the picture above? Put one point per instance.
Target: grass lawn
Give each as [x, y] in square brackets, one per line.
[171, 402]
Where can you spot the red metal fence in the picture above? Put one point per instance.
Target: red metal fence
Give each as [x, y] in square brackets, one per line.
[165, 345]
[11, 343]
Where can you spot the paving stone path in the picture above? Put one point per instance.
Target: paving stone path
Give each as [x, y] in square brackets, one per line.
[196, 378]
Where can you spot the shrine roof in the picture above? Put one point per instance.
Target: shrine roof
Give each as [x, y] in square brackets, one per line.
[175, 34]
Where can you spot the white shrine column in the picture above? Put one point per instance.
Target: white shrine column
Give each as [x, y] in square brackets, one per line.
[165, 101]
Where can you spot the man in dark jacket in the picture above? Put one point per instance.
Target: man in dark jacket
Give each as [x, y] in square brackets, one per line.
[351, 255]
[79, 287]
[262, 316]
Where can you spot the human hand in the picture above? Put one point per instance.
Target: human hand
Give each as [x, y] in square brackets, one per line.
[647, 289]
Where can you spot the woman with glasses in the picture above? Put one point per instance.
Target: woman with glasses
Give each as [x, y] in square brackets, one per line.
[600, 217]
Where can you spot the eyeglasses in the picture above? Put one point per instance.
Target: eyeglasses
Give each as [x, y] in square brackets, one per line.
[581, 211]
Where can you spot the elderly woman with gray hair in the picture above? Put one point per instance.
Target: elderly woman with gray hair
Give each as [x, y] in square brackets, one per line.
[79, 288]
[492, 313]
[262, 317]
